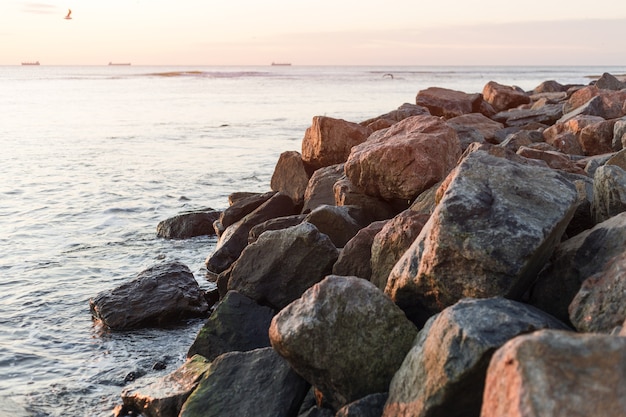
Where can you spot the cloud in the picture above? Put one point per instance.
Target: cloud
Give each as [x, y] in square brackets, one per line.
[40, 8]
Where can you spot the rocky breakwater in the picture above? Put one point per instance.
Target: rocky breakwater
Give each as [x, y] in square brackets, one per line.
[461, 256]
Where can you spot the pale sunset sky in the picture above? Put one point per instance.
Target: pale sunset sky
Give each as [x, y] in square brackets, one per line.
[321, 32]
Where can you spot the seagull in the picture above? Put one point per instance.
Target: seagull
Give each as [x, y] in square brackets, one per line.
[69, 14]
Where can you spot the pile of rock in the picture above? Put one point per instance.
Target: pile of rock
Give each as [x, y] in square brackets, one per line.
[459, 256]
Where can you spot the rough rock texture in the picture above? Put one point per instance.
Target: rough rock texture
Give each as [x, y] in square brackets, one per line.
[547, 115]
[290, 176]
[467, 135]
[599, 305]
[354, 259]
[597, 138]
[319, 190]
[503, 97]
[164, 397]
[405, 160]
[557, 374]
[346, 194]
[493, 230]
[344, 337]
[609, 192]
[391, 243]
[549, 86]
[282, 264]
[335, 222]
[236, 324]
[369, 406]
[394, 116]
[483, 124]
[328, 141]
[235, 237]
[555, 160]
[243, 206]
[186, 225]
[575, 260]
[609, 82]
[447, 103]
[274, 224]
[158, 295]
[444, 372]
[619, 134]
[255, 383]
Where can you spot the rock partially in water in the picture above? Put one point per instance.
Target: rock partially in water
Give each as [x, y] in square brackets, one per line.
[187, 225]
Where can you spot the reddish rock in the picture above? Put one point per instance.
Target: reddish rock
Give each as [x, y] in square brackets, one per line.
[290, 176]
[405, 160]
[597, 138]
[354, 259]
[328, 141]
[483, 124]
[557, 373]
[555, 160]
[447, 103]
[504, 97]
[580, 97]
[591, 100]
[386, 120]
[566, 142]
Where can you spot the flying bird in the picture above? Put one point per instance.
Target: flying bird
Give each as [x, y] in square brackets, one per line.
[69, 14]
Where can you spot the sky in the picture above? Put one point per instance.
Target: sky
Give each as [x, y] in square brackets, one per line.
[321, 32]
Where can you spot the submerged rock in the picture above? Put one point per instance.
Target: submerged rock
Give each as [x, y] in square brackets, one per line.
[186, 225]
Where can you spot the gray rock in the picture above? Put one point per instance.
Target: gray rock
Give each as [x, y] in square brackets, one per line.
[444, 372]
[282, 264]
[374, 208]
[319, 190]
[609, 82]
[335, 222]
[495, 227]
[255, 383]
[355, 258]
[237, 324]
[609, 192]
[556, 373]
[344, 337]
[274, 224]
[186, 225]
[369, 406]
[159, 295]
[242, 206]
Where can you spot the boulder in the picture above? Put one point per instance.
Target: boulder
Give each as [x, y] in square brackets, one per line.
[391, 243]
[375, 208]
[619, 134]
[405, 160]
[521, 138]
[187, 225]
[599, 305]
[159, 295]
[609, 82]
[345, 337]
[597, 138]
[328, 141]
[591, 100]
[483, 124]
[618, 159]
[242, 206]
[547, 115]
[447, 103]
[274, 224]
[165, 396]
[282, 264]
[467, 135]
[503, 97]
[566, 142]
[556, 373]
[555, 160]
[255, 383]
[594, 107]
[609, 192]
[581, 97]
[495, 227]
[319, 189]
[337, 222]
[394, 116]
[235, 237]
[354, 259]
[290, 176]
[426, 202]
[549, 86]
[573, 125]
[237, 324]
[369, 406]
[445, 370]
[575, 260]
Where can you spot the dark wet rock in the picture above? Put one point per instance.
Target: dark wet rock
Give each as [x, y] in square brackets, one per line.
[319, 190]
[235, 237]
[255, 383]
[354, 259]
[447, 103]
[165, 396]
[243, 206]
[334, 335]
[237, 324]
[282, 264]
[444, 373]
[290, 176]
[187, 225]
[159, 295]
[557, 373]
[274, 224]
[369, 406]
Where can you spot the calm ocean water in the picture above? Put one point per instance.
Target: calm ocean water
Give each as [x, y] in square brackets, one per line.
[92, 158]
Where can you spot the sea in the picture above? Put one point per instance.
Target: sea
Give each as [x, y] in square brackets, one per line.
[92, 158]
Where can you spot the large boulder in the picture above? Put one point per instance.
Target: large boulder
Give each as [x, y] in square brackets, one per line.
[337, 222]
[447, 103]
[405, 159]
[237, 324]
[557, 374]
[575, 260]
[609, 82]
[159, 295]
[609, 192]
[235, 237]
[547, 115]
[243, 206]
[346, 194]
[344, 337]
[319, 189]
[392, 241]
[187, 225]
[444, 372]
[328, 141]
[394, 116]
[597, 138]
[480, 122]
[290, 176]
[255, 383]
[274, 224]
[495, 227]
[504, 97]
[165, 396]
[354, 259]
[599, 305]
[282, 264]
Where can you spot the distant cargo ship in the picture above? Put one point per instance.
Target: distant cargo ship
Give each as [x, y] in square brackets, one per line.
[119, 63]
[281, 64]
[30, 63]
